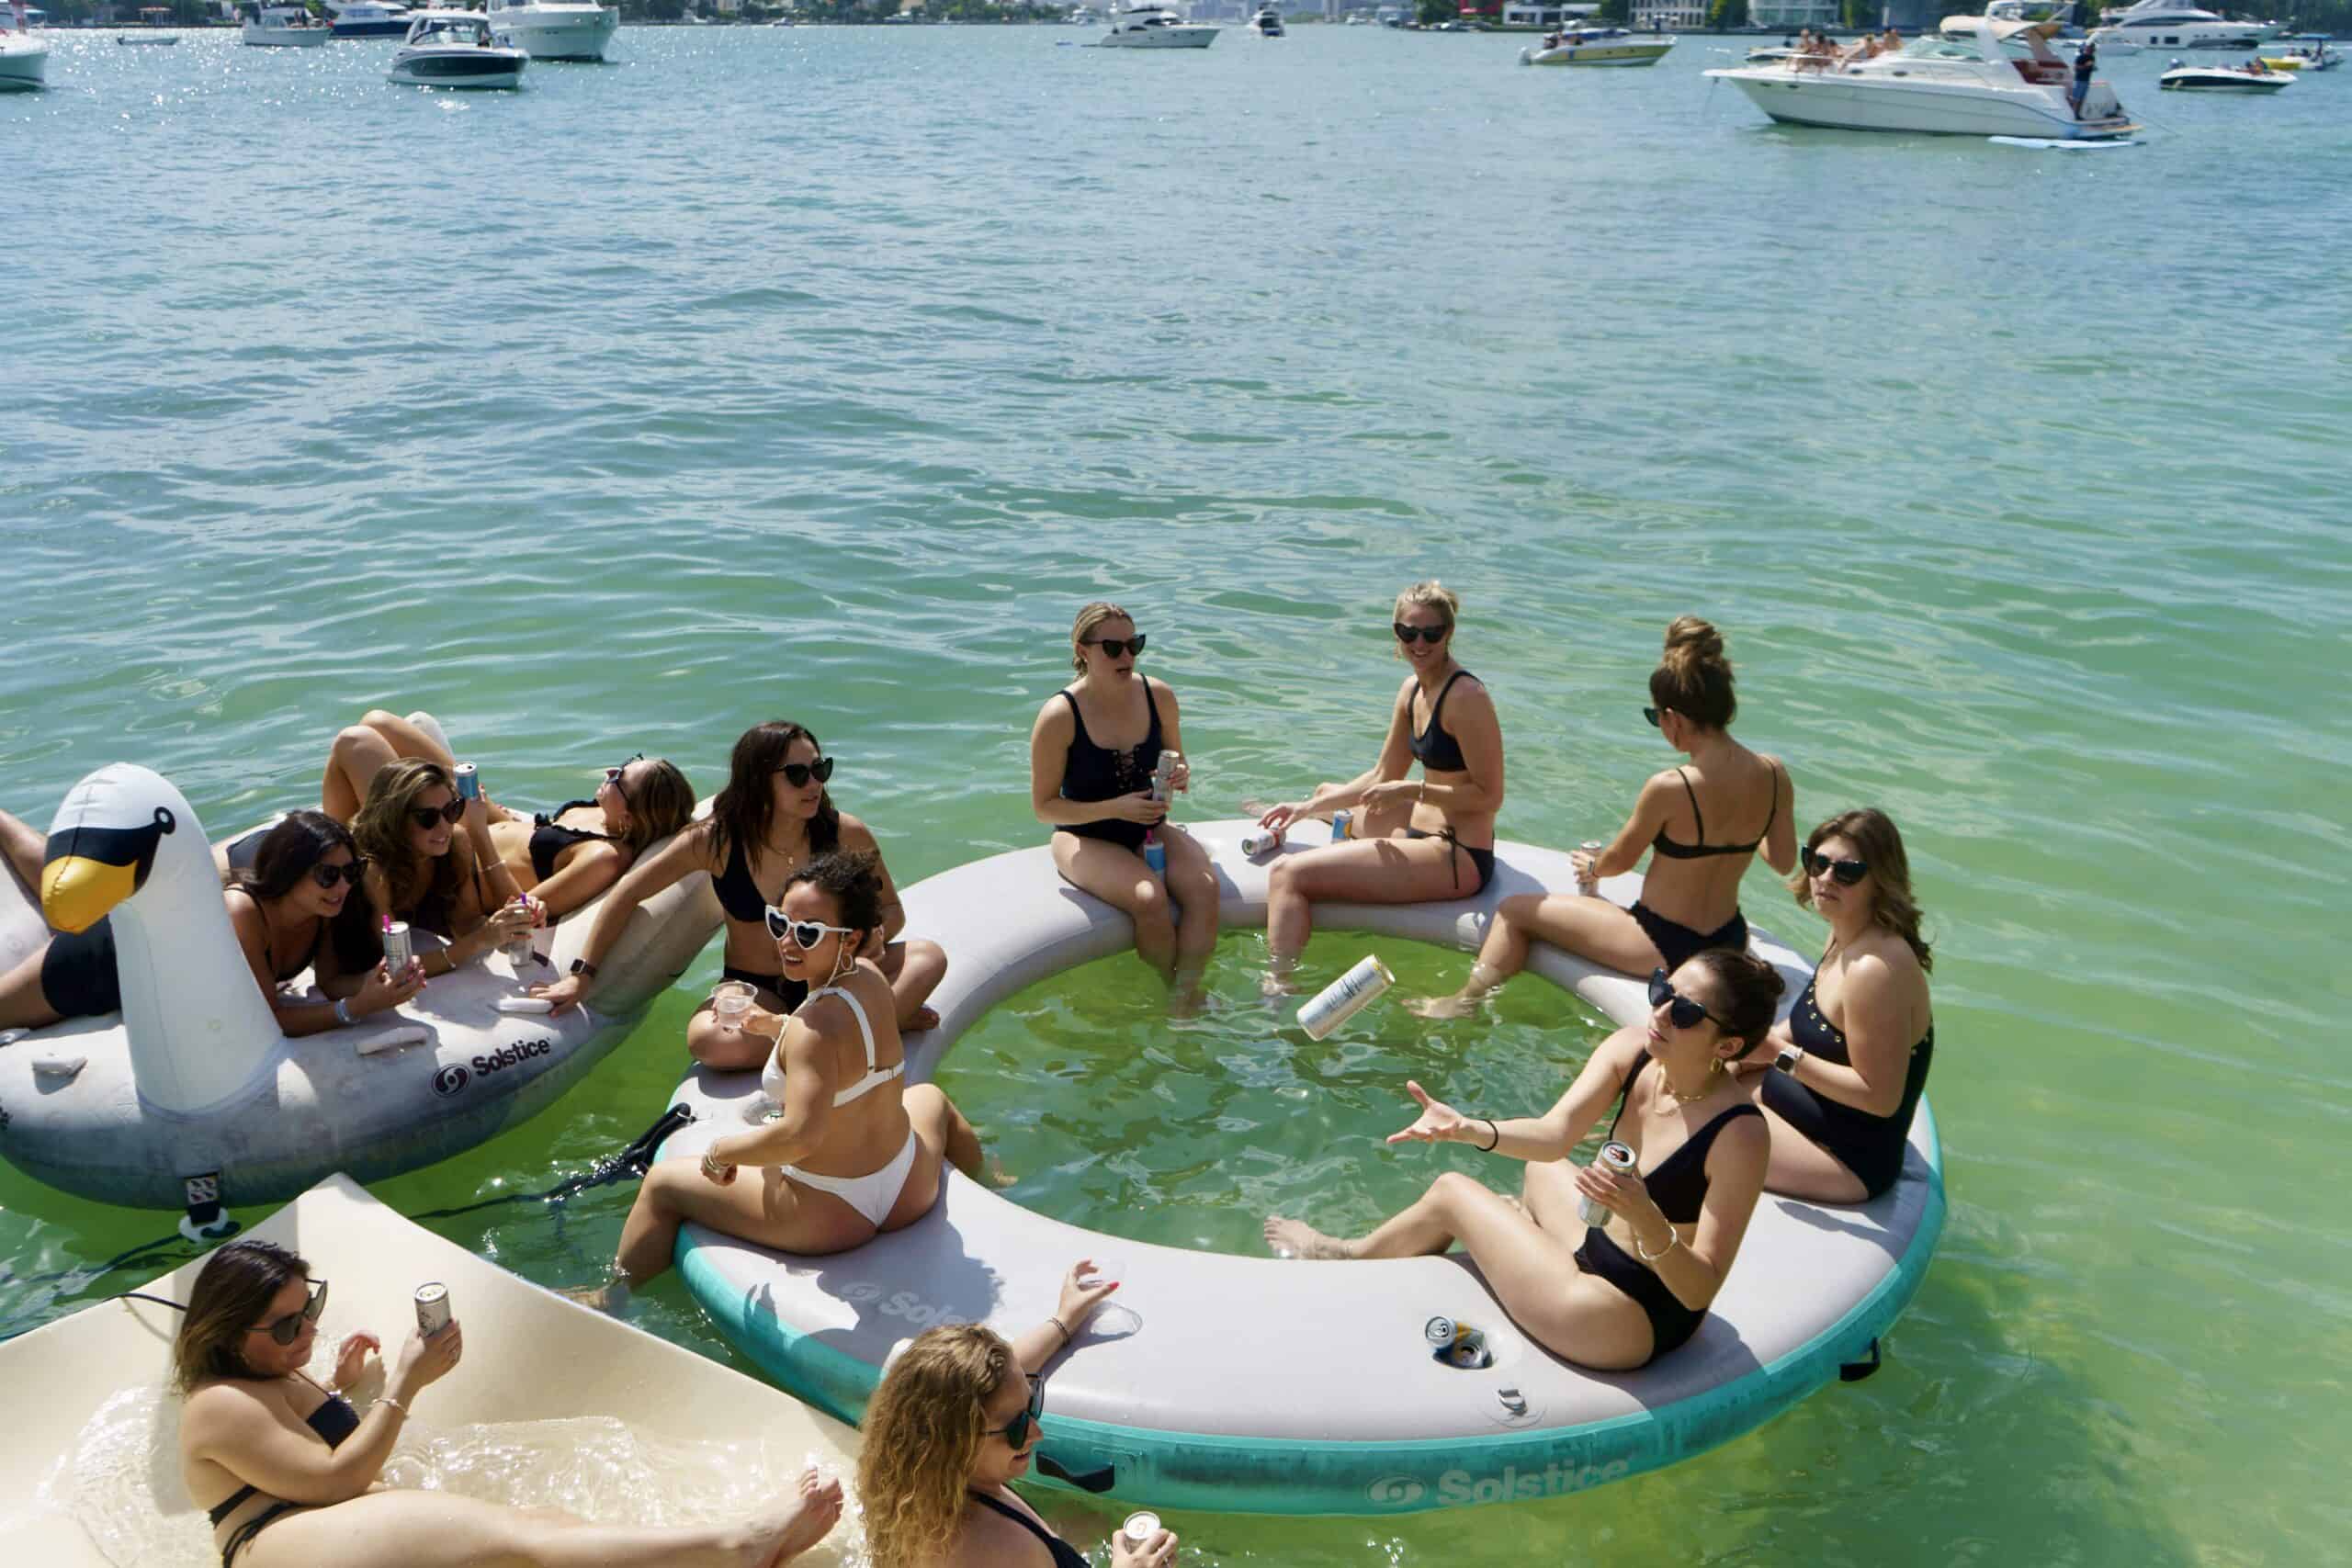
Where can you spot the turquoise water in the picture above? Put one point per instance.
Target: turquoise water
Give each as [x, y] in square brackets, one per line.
[822, 372]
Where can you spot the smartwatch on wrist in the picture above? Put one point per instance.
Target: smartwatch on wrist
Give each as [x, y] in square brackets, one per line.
[1788, 1059]
[583, 968]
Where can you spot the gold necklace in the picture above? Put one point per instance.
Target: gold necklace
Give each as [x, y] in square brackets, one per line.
[1714, 1071]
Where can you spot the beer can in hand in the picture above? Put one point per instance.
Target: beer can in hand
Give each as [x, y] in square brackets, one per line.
[1618, 1160]
[468, 780]
[432, 1308]
[1141, 1526]
[1588, 881]
[1163, 774]
[1343, 827]
[399, 951]
[1344, 998]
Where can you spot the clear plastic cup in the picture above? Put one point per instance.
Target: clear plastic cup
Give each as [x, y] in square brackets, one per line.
[1105, 1271]
[731, 1002]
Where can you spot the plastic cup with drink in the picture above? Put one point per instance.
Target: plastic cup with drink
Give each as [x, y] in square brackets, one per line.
[731, 1002]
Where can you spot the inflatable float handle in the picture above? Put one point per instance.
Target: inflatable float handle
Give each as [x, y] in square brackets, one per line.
[1855, 1371]
[525, 1004]
[1095, 1481]
[393, 1039]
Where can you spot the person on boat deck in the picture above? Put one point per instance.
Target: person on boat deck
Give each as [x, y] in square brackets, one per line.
[1639, 1286]
[1852, 1056]
[560, 858]
[775, 817]
[2086, 62]
[1690, 895]
[1411, 840]
[420, 870]
[952, 1425]
[1093, 751]
[857, 1150]
[299, 906]
[289, 1469]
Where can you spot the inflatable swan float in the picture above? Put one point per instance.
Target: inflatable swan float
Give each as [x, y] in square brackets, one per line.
[191, 1096]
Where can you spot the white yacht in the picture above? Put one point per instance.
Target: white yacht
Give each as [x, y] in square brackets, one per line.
[284, 27]
[2252, 78]
[1268, 22]
[1960, 80]
[555, 29]
[1144, 24]
[453, 48]
[370, 18]
[24, 59]
[1084, 16]
[1598, 46]
[2166, 24]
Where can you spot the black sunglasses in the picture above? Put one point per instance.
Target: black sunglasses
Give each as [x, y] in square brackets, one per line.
[426, 816]
[1680, 1010]
[1651, 714]
[1846, 872]
[1115, 647]
[327, 875]
[802, 935]
[797, 774]
[1431, 635]
[288, 1330]
[613, 777]
[1016, 1431]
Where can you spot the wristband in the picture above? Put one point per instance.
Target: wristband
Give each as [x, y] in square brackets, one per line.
[1495, 1128]
[343, 1012]
[387, 1399]
[1067, 1336]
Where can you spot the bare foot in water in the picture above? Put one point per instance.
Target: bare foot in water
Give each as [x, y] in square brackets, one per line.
[1294, 1238]
[611, 1297]
[783, 1533]
[1443, 1007]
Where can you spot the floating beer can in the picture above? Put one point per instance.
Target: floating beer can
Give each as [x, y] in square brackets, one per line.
[1344, 998]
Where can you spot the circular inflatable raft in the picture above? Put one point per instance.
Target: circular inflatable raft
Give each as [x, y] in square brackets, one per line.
[192, 1096]
[1259, 1386]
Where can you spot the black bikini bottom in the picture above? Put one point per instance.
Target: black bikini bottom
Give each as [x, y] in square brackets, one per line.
[1481, 860]
[252, 1528]
[78, 979]
[1671, 1323]
[792, 993]
[1676, 943]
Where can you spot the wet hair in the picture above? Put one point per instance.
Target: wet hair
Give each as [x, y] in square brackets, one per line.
[746, 809]
[922, 1431]
[231, 1294]
[1692, 677]
[1091, 616]
[1874, 836]
[1751, 990]
[852, 879]
[381, 833]
[662, 801]
[284, 857]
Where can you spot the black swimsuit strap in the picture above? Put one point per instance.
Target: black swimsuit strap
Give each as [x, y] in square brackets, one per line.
[1698, 819]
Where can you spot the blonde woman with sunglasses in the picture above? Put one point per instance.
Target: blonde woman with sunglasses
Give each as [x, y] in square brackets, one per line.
[857, 1150]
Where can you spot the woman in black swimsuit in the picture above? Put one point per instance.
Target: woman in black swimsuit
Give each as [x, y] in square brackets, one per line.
[299, 906]
[287, 1468]
[565, 857]
[1419, 840]
[953, 1425]
[1690, 897]
[1614, 1296]
[773, 817]
[1091, 754]
[1852, 1056]
[422, 871]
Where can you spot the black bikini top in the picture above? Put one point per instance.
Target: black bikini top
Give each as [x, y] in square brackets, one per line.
[334, 1420]
[1437, 750]
[550, 838]
[1702, 848]
[1678, 1184]
[1097, 773]
[269, 954]
[1065, 1555]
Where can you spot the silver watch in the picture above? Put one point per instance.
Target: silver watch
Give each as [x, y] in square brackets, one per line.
[1788, 1059]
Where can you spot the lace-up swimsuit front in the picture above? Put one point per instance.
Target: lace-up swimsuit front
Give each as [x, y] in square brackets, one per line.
[1678, 1185]
[1439, 752]
[873, 1193]
[1097, 773]
[334, 1420]
[1675, 942]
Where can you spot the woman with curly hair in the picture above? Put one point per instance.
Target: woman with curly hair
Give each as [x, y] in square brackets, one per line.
[775, 817]
[952, 1426]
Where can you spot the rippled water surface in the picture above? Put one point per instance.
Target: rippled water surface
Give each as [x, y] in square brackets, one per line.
[823, 372]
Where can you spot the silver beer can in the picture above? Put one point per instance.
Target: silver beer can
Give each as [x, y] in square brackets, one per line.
[398, 950]
[1589, 883]
[1439, 1331]
[1344, 998]
[1141, 1526]
[432, 1308]
[1617, 1159]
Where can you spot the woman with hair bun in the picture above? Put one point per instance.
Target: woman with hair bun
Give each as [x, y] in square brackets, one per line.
[1411, 840]
[1851, 1058]
[1614, 1296]
[1689, 899]
[952, 1425]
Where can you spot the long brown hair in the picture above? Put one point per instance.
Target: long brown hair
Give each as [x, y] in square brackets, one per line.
[1692, 677]
[286, 853]
[922, 1431]
[232, 1292]
[746, 807]
[381, 831]
[1873, 834]
[664, 803]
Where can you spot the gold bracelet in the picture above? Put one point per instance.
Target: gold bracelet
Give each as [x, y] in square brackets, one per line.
[1673, 1239]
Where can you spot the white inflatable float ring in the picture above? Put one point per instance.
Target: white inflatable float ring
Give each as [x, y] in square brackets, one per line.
[1258, 1385]
[191, 1096]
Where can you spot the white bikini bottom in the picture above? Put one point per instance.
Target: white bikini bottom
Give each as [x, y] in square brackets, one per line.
[872, 1194]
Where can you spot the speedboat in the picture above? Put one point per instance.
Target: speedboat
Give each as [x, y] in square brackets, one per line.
[2305, 52]
[24, 61]
[1268, 22]
[1962, 80]
[554, 29]
[2252, 78]
[453, 48]
[1598, 46]
[2168, 24]
[284, 26]
[370, 18]
[1147, 26]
